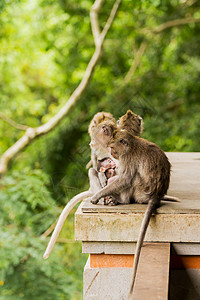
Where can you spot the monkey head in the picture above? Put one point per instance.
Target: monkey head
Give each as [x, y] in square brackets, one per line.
[131, 122]
[100, 137]
[99, 118]
[120, 143]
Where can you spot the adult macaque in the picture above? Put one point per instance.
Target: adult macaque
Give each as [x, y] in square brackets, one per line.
[134, 124]
[143, 177]
[100, 135]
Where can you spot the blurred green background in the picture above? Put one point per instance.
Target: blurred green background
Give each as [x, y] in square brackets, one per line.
[45, 46]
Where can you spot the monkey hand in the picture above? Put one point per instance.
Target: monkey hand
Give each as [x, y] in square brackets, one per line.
[94, 200]
[110, 200]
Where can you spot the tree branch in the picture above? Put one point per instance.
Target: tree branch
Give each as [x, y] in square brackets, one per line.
[94, 20]
[32, 133]
[48, 231]
[13, 123]
[144, 44]
[172, 23]
[136, 62]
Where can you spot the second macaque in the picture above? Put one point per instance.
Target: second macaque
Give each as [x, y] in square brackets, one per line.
[100, 130]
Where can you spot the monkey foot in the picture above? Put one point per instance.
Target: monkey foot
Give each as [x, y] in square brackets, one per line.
[109, 200]
[94, 201]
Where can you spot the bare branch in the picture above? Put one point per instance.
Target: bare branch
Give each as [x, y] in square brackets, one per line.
[66, 241]
[110, 19]
[172, 23]
[136, 62]
[13, 123]
[144, 44]
[48, 231]
[94, 20]
[32, 133]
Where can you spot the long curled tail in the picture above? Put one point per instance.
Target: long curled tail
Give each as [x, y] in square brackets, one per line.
[145, 222]
[70, 205]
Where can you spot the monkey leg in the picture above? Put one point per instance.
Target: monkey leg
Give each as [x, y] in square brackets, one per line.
[97, 181]
[115, 189]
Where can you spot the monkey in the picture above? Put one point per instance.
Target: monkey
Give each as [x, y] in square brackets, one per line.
[143, 177]
[100, 136]
[98, 150]
[134, 124]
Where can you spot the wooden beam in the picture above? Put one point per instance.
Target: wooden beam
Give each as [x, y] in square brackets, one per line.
[152, 280]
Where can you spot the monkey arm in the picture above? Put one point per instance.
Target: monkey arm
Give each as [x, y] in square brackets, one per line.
[95, 182]
[114, 188]
[94, 159]
[102, 179]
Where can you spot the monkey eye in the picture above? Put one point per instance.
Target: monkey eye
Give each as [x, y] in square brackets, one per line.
[124, 142]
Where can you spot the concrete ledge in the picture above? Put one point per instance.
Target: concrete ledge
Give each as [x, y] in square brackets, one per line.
[118, 227]
[129, 248]
[108, 248]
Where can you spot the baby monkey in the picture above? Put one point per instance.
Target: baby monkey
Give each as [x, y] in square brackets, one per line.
[143, 177]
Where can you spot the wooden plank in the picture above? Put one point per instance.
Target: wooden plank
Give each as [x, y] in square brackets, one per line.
[152, 280]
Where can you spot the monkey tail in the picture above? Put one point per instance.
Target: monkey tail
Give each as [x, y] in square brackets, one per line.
[70, 205]
[145, 222]
[170, 198]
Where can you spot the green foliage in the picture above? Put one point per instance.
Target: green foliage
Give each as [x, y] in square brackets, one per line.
[45, 47]
[28, 209]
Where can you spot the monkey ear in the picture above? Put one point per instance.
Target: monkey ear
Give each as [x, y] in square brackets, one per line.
[129, 113]
[124, 142]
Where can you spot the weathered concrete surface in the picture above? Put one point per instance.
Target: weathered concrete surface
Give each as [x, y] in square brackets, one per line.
[106, 283]
[125, 227]
[129, 248]
[186, 248]
[173, 222]
[114, 282]
[108, 247]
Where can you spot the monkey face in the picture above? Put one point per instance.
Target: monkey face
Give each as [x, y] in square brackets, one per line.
[131, 122]
[99, 118]
[119, 143]
[100, 137]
